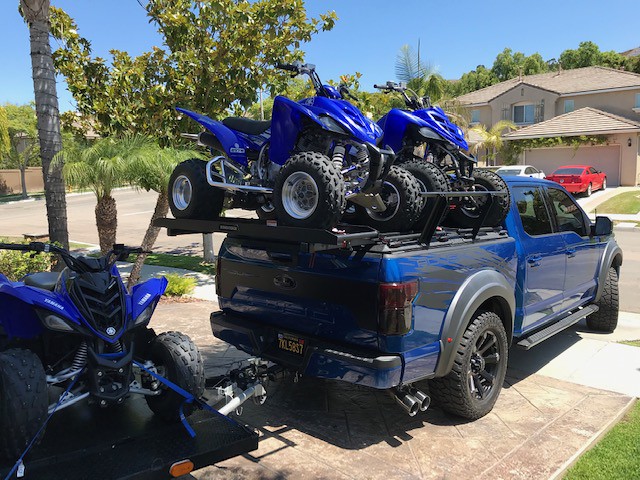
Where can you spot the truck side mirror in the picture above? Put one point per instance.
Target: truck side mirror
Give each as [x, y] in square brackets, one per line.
[602, 227]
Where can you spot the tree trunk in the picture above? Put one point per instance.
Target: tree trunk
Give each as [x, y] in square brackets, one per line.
[107, 222]
[36, 13]
[23, 180]
[150, 237]
[207, 247]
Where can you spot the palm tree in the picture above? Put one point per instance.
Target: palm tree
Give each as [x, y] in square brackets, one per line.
[101, 168]
[36, 14]
[491, 140]
[151, 172]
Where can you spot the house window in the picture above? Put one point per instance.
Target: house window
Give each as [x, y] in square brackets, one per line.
[475, 116]
[568, 106]
[637, 100]
[523, 113]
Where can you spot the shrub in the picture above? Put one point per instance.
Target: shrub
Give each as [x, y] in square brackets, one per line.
[179, 285]
[16, 265]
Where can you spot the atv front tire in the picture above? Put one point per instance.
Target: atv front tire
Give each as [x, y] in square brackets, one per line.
[179, 361]
[400, 193]
[309, 192]
[23, 400]
[190, 195]
[468, 210]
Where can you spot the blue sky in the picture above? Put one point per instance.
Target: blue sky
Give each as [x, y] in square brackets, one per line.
[455, 36]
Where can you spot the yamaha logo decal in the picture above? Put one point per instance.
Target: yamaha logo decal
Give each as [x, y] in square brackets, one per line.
[111, 331]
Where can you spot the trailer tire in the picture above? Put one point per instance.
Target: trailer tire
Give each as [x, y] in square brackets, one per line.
[183, 366]
[606, 318]
[484, 180]
[190, 195]
[484, 339]
[309, 192]
[431, 179]
[23, 400]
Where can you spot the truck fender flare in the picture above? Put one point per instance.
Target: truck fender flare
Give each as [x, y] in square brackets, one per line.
[612, 257]
[234, 146]
[476, 290]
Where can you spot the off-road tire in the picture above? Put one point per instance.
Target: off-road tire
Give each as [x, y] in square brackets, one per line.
[453, 392]
[485, 180]
[606, 318]
[23, 400]
[183, 366]
[205, 201]
[400, 216]
[433, 179]
[330, 191]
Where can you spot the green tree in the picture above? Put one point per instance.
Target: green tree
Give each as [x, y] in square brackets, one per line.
[586, 55]
[36, 14]
[151, 171]
[491, 140]
[476, 79]
[23, 132]
[5, 142]
[216, 55]
[101, 168]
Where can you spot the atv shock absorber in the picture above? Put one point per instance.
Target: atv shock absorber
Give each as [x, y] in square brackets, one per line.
[338, 156]
[80, 359]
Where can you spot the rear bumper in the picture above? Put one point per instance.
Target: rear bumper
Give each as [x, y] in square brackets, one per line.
[320, 358]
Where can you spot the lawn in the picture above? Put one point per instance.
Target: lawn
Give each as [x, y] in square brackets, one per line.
[188, 262]
[633, 343]
[628, 202]
[616, 456]
[18, 196]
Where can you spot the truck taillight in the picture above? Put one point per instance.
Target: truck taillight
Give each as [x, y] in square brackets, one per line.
[395, 307]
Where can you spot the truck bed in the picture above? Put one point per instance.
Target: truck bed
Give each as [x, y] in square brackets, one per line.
[129, 443]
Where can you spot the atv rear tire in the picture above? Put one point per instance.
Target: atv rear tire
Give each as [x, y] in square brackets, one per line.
[190, 195]
[23, 400]
[183, 366]
[606, 318]
[400, 193]
[467, 211]
[309, 192]
[431, 179]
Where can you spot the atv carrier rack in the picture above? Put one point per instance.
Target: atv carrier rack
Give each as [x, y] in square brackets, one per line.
[311, 240]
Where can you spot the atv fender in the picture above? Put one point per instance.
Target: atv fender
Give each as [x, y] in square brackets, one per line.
[395, 125]
[145, 294]
[234, 147]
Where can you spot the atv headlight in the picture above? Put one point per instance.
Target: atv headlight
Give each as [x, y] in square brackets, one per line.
[331, 124]
[429, 134]
[145, 316]
[54, 322]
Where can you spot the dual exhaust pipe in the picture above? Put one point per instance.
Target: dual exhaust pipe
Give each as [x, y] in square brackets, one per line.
[412, 400]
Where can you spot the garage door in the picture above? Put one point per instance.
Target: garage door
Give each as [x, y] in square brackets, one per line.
[605, 158]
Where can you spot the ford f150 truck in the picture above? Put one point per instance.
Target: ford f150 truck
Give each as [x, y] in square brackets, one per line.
[397, 310]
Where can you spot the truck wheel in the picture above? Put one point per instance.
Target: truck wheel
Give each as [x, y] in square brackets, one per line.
[468, 211]
[431, 179]
[606, 318]
[23, 401]
[472, 387]
[178, 360]
[309, 192]
[190, 195]
[400, 193]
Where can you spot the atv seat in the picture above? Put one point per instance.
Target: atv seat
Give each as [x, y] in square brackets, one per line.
[246, 125]
[44, 280]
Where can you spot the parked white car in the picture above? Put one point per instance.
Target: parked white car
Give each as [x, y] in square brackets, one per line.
[520, 171]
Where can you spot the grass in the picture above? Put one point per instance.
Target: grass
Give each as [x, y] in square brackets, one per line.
[187, 262]
[18, 196]
[633, 343]
[616, 456]
[627, 202]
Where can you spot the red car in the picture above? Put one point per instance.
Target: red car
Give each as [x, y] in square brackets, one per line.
[579, 178]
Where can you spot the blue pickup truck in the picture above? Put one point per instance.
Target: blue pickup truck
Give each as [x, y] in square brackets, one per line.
[395, 311]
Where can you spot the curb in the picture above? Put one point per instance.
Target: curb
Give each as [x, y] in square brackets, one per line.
[592, 441]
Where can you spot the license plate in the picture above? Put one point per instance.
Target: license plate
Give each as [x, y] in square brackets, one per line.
[291, 343]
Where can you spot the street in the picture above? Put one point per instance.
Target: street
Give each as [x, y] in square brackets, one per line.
[136, 206]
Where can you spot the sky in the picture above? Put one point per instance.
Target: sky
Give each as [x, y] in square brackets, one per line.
[454, 36]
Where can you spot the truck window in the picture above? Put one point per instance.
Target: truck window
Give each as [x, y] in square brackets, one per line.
[568, 214]
[532, 210]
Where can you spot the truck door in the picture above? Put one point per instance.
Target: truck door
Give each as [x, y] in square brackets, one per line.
[542, 254]
[582, 252]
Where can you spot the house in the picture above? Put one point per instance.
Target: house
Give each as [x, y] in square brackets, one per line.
[586, 101]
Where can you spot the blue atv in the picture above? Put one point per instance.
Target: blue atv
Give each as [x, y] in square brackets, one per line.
[300, 168]
[432, 148]
[78, 334]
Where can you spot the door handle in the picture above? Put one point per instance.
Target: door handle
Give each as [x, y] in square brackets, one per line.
[534, 261]
[571, 252]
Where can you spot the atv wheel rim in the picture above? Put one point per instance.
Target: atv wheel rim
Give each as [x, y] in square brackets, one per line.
[182, 192]
[391, 198]
[472, 205]
[484, 365]
[300, 195]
